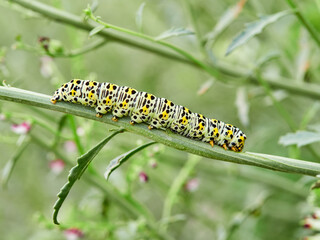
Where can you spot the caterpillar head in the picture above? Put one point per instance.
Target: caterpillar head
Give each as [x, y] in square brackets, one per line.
[60, 93]
[237, 142]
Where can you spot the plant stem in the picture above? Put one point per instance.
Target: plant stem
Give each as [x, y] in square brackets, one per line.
[167, 138]
[304, 22]
[76, 138]
[175, 188]
[304, 89]
[187, 55]
[87, 48]
[250, 174]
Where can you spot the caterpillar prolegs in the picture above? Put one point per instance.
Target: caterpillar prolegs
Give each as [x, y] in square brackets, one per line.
[145, 107]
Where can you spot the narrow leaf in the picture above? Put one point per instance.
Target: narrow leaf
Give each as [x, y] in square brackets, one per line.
[9, 167]
[174, 32]
[254, 28]
[77, 171]
[224, 22]
[300, 138]
[96, 30]
[116, 162]
[139, 16]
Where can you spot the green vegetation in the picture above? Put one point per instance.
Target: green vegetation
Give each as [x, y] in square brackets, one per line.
[253, 64]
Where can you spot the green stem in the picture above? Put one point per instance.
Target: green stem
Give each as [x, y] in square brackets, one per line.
[175, 188]
[188, 56]
[303, 89]
[75, 134]
[165, 137]
[250, 174]
[304, 22]
[87, 48]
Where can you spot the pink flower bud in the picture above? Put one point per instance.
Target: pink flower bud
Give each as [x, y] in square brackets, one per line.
[70, 146]
[192, 185]
[153, 163]
[73, 234]
[311, 223]
[143, 177]
[21, 129]
[57, 166]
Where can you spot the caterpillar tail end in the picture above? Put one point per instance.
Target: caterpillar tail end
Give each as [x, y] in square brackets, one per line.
[211, 143]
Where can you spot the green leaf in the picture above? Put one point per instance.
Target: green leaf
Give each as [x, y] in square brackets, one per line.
[300, 138]
[224, 22]
[254, 28]
[95, 30]
[9, 167]
[174, 32]
[116, 162]
[139, 16]
[77, 171]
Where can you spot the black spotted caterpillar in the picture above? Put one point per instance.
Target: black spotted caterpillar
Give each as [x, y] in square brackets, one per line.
[145, 107]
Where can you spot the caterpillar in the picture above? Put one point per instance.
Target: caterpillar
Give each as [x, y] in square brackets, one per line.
[145, 107]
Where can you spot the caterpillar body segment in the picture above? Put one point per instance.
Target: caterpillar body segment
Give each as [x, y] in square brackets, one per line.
[143, 107]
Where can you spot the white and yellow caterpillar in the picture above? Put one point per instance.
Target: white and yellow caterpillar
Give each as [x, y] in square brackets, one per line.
[145, 107]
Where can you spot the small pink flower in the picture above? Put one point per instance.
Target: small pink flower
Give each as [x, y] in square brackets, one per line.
[143, 177]
[316, 214]
[57, 166]
[22, 128]
[311, 223]
[192, 185]
[73, 234]
[153, 163]
[70, 146]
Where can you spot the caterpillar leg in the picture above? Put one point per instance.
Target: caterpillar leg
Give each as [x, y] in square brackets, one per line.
[150, 127]
[132, 122]
[225, 146]
[211, 143]
[100, 110]
[115, 118]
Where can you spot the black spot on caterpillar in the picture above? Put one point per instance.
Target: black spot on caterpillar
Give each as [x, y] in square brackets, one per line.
[145, 107]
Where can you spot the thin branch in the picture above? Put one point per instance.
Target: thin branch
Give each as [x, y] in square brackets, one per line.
[304, 89]
[168, 138]
[304, 22]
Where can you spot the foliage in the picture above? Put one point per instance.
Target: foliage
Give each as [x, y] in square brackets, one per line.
[268, 87]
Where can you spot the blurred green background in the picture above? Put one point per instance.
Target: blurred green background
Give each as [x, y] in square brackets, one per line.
[269, 209]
